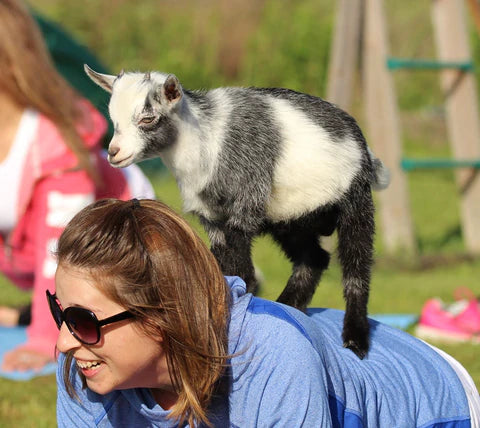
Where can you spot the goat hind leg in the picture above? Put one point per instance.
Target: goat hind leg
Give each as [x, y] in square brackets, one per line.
[355, 251]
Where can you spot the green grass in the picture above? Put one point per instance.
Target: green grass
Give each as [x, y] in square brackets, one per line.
[285, 44]
[28, 404]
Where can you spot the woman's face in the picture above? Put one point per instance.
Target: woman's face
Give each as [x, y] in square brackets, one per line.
[125, 357]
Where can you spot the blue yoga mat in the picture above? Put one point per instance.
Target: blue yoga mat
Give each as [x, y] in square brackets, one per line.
[401, 321]
[10, 337]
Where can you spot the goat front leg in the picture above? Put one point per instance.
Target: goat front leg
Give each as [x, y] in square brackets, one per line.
[232, 249]
[309, 261]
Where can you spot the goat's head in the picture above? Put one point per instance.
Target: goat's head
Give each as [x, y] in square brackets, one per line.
[144, 110]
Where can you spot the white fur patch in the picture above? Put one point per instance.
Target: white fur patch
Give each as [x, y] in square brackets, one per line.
[61, 207]
[312, 170]
[194, 157]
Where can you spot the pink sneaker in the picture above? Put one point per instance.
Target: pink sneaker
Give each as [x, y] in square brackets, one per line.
[468, 317]
[458, 322]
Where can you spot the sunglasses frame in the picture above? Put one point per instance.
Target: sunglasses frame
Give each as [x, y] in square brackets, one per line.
[56, 309]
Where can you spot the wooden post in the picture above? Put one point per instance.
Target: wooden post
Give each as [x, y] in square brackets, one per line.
[383, 130]
[344, 53]
[462, 111]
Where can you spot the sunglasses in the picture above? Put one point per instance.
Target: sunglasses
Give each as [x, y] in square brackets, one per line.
[82, 323]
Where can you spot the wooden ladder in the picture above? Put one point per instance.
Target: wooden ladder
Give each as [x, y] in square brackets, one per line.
[359, 20]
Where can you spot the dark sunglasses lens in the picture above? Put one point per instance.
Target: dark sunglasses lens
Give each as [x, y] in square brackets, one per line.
[55, 310]
[83, 324]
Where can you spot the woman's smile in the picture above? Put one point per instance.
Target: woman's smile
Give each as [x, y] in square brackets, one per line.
[89, 368]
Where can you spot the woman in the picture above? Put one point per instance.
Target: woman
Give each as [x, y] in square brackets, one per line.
[151, 334]
[50, 167]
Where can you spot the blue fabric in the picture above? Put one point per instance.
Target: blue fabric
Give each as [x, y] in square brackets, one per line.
[290, 369]
[10, 337]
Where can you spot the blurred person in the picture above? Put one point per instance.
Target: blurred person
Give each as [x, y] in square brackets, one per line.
[152, 334]
[51, 166]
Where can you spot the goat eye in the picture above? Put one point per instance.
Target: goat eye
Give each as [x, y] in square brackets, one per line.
[146, 120]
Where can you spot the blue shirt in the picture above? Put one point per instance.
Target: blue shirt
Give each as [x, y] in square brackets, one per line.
[291, 370]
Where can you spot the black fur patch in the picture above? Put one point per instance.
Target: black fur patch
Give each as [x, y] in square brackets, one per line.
[202, 101]
[158, 135]
[147, 107]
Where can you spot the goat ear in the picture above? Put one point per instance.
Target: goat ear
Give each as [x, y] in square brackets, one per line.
[105, 81]
[172, 90]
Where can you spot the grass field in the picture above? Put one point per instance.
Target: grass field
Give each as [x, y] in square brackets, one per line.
[273, 43]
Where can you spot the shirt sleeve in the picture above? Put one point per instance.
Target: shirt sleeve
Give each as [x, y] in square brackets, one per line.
[279, 380]
[55, 201]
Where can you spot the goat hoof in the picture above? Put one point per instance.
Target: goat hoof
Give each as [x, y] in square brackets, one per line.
[359, 351]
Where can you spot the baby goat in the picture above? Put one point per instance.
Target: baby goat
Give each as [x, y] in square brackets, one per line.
[251, 161]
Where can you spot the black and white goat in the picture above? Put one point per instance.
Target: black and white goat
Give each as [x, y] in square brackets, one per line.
[250, 161]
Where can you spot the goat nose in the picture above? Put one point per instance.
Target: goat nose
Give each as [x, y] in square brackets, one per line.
[113, 149]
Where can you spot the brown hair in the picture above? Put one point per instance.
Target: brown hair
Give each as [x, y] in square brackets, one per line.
[30, 78]
[148, 259]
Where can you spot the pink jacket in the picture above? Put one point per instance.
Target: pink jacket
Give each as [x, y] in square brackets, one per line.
[52, 190]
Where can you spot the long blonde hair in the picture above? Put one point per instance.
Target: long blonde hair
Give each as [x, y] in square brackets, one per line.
[29, 77]
[149, 260]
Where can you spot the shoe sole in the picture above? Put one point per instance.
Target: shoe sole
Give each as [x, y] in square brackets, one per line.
[431, 333]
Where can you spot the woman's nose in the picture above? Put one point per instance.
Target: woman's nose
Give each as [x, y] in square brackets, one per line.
[65, 340]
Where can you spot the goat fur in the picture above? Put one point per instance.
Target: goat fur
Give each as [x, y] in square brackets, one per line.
[252, 161]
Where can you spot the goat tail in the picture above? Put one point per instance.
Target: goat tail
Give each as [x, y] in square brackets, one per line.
[381, 174]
